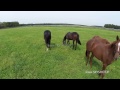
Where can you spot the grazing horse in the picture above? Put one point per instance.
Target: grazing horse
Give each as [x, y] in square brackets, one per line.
[106, 53]
[72, 36]
[47, 38]
[95, 39]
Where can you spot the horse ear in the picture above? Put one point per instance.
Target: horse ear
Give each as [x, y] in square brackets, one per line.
[117, 38]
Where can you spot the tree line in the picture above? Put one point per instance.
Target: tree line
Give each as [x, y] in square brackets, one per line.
[45, 24]
[16, 23]
[8, 24]
[112, 26]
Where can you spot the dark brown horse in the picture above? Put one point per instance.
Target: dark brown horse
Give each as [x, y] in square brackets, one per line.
[107, 53]
[72, 36]
[47, 38]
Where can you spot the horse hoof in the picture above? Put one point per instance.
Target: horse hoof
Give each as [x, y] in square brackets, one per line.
[99, 74]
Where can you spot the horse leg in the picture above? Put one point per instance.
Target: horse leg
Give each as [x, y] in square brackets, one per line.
[87, 55]
[49, 44]
[73, 44]
[64, 42]
[46, 44]
[47, 48]
[91, 60]
[76, 45]
[102, 73]
[68, 42]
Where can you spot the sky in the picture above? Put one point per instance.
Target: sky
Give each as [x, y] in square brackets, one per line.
[71, 17]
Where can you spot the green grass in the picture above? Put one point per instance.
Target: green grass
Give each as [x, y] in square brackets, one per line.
[23, 54]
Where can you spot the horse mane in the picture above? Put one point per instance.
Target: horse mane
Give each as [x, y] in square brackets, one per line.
[65, 36]
[113, 43]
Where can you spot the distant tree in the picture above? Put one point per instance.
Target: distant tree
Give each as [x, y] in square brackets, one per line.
[11, 24]
[112, 26]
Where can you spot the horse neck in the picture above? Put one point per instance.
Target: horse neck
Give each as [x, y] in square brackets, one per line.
[64, 38]
[111, 50]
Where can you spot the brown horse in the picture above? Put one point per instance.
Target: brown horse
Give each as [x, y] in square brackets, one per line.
[95, 39]
[72, 36]
[107, 53]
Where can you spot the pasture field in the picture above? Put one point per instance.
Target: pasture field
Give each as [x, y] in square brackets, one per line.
[23, 54]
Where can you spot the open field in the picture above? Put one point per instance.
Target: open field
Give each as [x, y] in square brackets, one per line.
[23, 55]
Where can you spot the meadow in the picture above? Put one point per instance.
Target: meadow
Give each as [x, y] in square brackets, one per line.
[23, 54]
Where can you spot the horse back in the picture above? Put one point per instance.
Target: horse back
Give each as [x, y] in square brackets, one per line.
[96, 40]
[69, 36]
[75, 35]
[104, 41]
[47, 34]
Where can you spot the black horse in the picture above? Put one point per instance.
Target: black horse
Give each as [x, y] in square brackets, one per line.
[47, 37]
[72, 36]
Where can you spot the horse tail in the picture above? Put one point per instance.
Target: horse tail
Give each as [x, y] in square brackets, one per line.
[86, 53]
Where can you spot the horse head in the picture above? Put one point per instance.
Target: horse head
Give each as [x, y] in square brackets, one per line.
[116, 48]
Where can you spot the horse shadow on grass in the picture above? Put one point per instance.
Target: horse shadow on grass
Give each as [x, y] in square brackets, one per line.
[71, 47]
[95, 63]
[53, 45]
